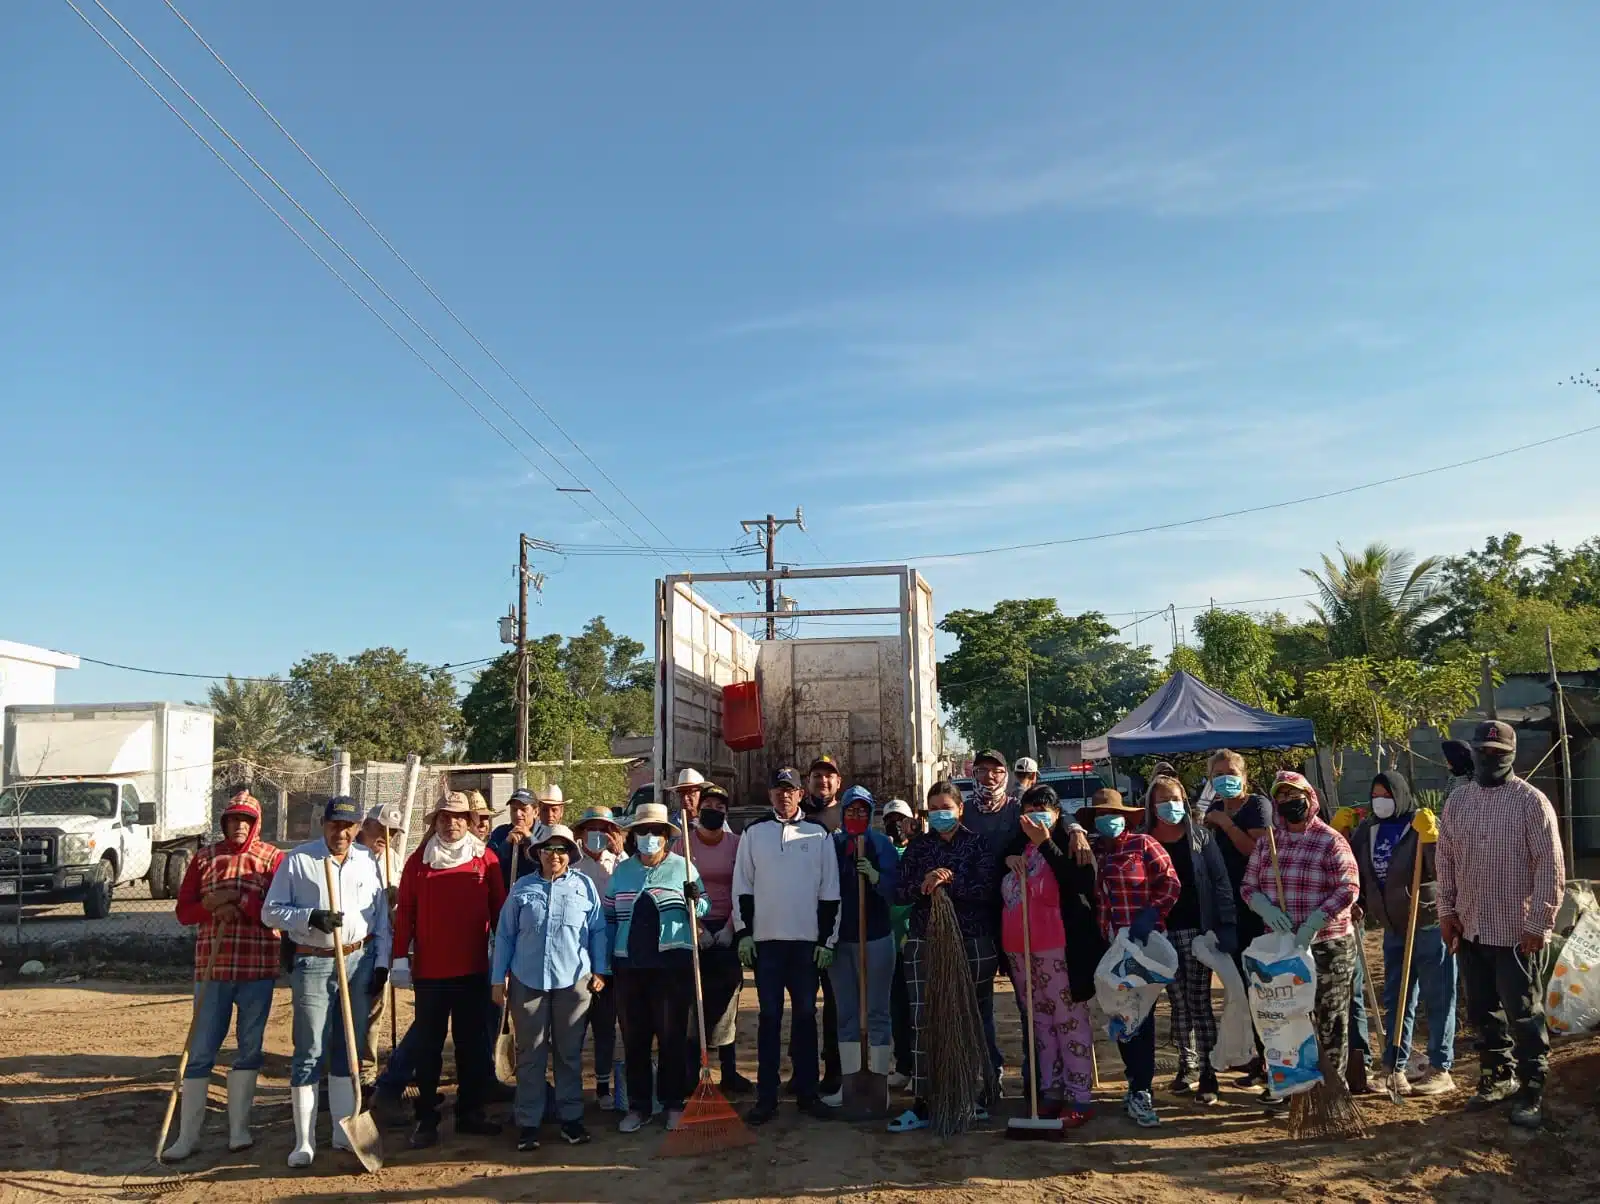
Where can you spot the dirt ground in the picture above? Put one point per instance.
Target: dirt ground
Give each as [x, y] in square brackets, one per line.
[85, 1068]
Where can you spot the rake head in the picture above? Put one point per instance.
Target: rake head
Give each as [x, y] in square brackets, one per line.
[709, 1125]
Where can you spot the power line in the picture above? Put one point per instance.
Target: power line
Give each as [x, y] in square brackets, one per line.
[448, 666]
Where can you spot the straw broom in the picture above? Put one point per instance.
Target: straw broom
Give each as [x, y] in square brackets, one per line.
[960, 1077]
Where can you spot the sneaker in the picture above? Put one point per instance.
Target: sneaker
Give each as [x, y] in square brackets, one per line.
[1142, 1110]
[734, 1083]
[1206, 1095]
[1527, 1109]
[425, 1135]
[834, 1100]
[1255, 1075]
[573, 1132]
[1075, 1116]
[631, 1123]
[1184, 1083]
[1399, 1083]
[674, 1119]
[759, 1115]
[1272, 1103]
[1435, 1082]
[604, 1098]
[898, 1081]
[477, 1125]
[1493, 1090]
[814, 1108]
[528, 1139]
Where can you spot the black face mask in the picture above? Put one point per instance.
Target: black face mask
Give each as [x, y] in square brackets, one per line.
[1492, 768]
[711, 819]
[893, 827]
[1295, 810]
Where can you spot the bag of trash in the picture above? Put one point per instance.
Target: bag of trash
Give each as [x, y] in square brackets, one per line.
[1130, 978]
[1572, 1000]
[1236, 1043]
[1281, 980]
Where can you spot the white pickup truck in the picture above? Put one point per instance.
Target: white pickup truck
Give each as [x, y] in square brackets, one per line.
[101, 795]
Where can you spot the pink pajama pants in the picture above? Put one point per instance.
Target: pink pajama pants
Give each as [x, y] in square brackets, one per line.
[1061, 1028]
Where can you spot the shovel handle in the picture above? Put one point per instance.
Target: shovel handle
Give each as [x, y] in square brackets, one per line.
[353, 1054]
[1405, 966]
[188, 1041]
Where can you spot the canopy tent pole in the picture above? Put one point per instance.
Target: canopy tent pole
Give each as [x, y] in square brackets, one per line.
[1322, 782]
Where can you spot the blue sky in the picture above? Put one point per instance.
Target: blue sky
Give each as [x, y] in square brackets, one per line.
[948, 278]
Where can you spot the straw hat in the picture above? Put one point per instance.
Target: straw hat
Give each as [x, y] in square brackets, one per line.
[690, 779]
[651, 815]
[597, 815]
[452, 802]
[562, 833]
[549, 794]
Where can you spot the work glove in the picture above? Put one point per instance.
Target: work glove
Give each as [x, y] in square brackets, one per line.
[824, 957]
[1143, 925]
[747, 951]
[867, 870]
[379, 977]
[326, 921]
[1271, 914]
[706, 936]
[1315, 923]
[1346, 820]
[1426, 825]
[400, 973]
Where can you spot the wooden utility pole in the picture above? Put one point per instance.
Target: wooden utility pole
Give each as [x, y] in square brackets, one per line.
[767, 532]
[522, 660]
[341, 771]
[1567, 802]
[1486, 689]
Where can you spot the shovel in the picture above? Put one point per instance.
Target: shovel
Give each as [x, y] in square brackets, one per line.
[866, 1095]
[1405, 977]
[188, 1040]
[360, 1129]
[505, 1045]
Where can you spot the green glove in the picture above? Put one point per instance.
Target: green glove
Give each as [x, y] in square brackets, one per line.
[747, 951]
[1315, 923]
[1274, 916]
[867, 870]
[824, 957]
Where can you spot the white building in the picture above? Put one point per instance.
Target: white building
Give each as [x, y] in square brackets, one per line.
[28, 674]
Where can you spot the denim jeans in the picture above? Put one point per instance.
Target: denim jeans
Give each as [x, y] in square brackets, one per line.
[1433, 982]
[847, 990]
[1139, 1055]
[318, 1019]
[253, 999]
[784, 967]
[402, 1067]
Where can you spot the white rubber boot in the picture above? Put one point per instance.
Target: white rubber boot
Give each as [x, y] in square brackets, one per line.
[191, 1119]
[241, 1098]
[849, 1063]
[303, 1101]
[880, 1059]
[341, 1103]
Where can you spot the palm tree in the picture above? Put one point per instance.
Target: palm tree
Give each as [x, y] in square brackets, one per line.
[1377, 604]
[255, 726]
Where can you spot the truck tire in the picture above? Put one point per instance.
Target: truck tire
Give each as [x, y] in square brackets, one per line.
[177, 867]
[97, 902]
[156, 878]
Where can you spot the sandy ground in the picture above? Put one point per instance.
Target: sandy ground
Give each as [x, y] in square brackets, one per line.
[85, 1067]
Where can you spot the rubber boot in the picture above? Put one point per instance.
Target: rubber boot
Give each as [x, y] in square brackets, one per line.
[241, 1098]
[303, 1102]
[341, 1103]
[849, 1063]
[880, 1058]
[191, 1119]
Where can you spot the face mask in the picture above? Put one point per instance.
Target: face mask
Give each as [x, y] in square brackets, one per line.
[1295, 810]
[1171, 813]
[942, 821]
[1110, 826]
[596, 842]
[1382, 807]
[1042, 818]
[651, 843]
[1227, 785]
[893, 829]
[712, 819]
[1492, 768]
[856, 825]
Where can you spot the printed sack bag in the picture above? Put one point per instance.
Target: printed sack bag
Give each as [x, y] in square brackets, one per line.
[1130, 978]
[1282, 982]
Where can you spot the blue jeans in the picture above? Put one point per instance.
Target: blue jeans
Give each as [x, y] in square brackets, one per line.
[253, 998]
[784, 967]
[847, 990]
[318, 1019]
[1433, 981]
[402, 1067]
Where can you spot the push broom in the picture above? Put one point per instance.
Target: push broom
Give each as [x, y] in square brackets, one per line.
[1030, 1127]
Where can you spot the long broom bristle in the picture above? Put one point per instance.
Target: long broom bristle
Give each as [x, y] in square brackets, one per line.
[1327, 1111]
[960, 1077]
[709, 1124]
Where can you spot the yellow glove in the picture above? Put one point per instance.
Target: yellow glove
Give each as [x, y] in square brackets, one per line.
[1426, 825]
[1346, 820]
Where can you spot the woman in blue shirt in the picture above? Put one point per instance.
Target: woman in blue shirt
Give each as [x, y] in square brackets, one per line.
[652, 941]
[552, 940]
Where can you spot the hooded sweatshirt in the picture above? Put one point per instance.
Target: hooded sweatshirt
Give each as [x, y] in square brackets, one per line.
[248, 949]
[1386, 852]
[881, 852]
[1318, 870]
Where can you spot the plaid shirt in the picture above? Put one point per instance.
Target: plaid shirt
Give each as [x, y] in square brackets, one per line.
[1135, 873]
[1499, 859]
[249, 949]
[966, 855]
[1319, 874]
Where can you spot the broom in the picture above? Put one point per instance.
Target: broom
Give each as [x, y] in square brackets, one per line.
[1030, 1127]
[960, 1077]
[709, 1124]
[1326, 1110]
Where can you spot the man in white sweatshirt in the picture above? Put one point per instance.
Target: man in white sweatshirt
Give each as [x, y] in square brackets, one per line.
[786, 891]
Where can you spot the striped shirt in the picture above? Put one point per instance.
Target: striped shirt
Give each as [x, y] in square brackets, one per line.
[1499, 858]
[1319, 874]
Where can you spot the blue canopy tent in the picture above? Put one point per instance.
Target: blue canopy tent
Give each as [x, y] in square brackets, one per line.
[1186, 715]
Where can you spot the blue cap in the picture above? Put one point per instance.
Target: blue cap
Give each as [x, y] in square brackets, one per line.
[342, 809]
[857, 794]
[522, 796]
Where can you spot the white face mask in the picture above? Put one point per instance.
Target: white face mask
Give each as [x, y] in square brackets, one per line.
[1383, 808]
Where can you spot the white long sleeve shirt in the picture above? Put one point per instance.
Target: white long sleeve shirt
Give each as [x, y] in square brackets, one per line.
[300, 887]
[788, 868]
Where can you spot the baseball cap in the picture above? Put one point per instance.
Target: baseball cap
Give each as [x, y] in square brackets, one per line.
[711, 791]
[898, 807]
[825, 761]
[341, 809]
[990, 754]
[387, 814]
[789, 778]
[1495, 736]
[521, 796]
[1026, 765]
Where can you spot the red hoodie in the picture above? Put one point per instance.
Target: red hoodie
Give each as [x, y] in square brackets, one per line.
[248, 949]
[443, 918]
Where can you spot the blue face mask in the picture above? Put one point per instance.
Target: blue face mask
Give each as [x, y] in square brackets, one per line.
[1110, 826]
[1227, 785]
[650, 843]
[943, 821]
[1042, 818]
[1171, 813]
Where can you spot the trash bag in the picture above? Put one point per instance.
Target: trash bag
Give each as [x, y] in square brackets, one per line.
[1236, 1043]
[1282, 983]
[1130, 978]
[1572, 1000]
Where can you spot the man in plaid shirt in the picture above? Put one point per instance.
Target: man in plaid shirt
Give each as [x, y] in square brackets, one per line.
[1500, 882]
[1321, 882]
[222, 894]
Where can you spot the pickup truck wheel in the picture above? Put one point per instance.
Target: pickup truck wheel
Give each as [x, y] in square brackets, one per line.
[157, 876]
[177, 867]
[97, 903]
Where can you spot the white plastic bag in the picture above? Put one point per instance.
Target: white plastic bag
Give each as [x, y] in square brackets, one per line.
[1236, 1043]
[1282, 984]
[1572, 1000]
[400, 973]
[1130, 978]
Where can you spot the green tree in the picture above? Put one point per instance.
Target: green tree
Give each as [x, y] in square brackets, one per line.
[1345, 709]
[1083, 680]
[1428, 695]
[1513, 630]
[489, 711]
[1501, 599]
[377, 705]
[609, 674]
[255, 726]
[1379, 604]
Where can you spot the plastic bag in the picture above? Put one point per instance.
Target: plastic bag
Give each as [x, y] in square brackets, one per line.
[1236, 1043]
[1130, 978]
[1572, 1000]
[400, 973]
[1282, 984]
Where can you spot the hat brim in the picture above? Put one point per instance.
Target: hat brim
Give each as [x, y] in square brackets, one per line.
[1494, 746]
[1122, 808]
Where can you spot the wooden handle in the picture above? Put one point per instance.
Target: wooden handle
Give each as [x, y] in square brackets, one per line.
[1277, 874]
[1411, 942]
[1027, 978]
[352, 1054]
[188, 1039]
[861, 955]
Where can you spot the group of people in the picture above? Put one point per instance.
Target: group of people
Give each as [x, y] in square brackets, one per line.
[567, 937]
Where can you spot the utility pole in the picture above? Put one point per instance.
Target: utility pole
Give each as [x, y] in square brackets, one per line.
[525, 578]
[766, 530]
[1027, 685]
[1567, 802]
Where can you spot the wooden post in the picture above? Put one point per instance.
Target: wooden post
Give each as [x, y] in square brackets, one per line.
[409, 793]
[1567, 802]
[341, 771]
